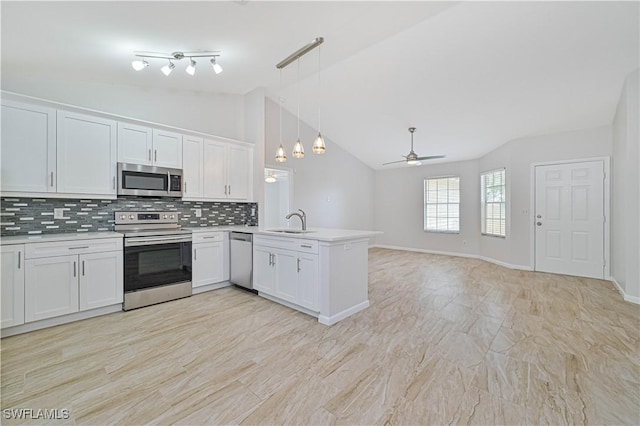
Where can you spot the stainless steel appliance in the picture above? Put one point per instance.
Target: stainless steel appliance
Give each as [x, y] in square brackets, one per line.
[157, 258]
[136, 179]
[241, 246]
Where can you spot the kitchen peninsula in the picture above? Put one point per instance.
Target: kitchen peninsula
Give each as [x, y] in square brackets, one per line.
[322, 272]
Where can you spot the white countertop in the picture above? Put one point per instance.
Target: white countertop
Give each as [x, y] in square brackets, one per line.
[319, 234]
[47, 238]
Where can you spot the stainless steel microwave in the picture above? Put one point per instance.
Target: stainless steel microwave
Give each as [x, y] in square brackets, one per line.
[149, 181]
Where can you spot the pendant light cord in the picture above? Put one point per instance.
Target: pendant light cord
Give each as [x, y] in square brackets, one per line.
[280, 103]
[319, 88]
[298, 98]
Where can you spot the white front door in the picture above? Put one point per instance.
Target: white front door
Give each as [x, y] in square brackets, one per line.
[569, 219]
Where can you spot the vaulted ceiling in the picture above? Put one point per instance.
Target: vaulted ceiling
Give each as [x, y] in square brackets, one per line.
[470, 76]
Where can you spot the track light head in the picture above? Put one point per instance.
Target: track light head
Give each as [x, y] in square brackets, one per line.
[168, 68]
[216, 67]
[139, 65]
[191, 69]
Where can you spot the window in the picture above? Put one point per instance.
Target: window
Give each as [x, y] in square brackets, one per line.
[493, 197]
[442, 204]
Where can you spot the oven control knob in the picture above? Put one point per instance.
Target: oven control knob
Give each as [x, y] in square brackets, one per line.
[123, 216]
[172, 217]
[131, 217]
[164, 217]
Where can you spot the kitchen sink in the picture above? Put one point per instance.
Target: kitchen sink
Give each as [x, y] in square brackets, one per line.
[289, 231]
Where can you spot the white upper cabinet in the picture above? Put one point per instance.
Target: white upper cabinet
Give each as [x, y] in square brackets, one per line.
[215, 169]
[239, 172]
[134, 144]
[167, 149]
[28, 148]
[228, 171]
[86, 154]
[192, 167]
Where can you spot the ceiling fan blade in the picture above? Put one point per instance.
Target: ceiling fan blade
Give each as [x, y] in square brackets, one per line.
[431, 157]
[394, 162]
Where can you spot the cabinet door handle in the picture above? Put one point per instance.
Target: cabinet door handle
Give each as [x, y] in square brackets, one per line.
[229, 189]
[155, 155]
[270, 259]
[298, 264]
[19, 259]
[74, 268]
[207, 238]
[52, 179]
[114, 182]
[195, 254]
[149, 154]
[305, 245]
[225, 190]
[78, 248]
[83, 268]
[185, 186]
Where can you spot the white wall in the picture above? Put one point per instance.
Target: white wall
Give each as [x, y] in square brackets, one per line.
[625, 196]
[216, 114]
[399, 199]
[399, 208]
[517, 156]
[335, 189]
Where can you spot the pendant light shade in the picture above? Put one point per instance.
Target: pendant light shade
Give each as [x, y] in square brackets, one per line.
[298, 150]
[318, 145]
[281, 156]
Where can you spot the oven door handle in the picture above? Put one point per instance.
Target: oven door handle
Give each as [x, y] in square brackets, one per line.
[147, 241]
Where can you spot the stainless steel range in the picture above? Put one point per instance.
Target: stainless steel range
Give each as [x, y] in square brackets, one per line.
[157, 258]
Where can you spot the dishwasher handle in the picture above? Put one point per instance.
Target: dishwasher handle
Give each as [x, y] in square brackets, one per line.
[241, 236]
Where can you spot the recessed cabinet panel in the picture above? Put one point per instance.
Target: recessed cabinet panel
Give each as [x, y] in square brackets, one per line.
[12, 283]
[192, 167]
[28, 148]
[167, 149]
[101, 279]
[286, 275]
[308, 284]
[215, 169]
[134, 144]
[264, 272]
[86, 154]
[239, 172]
[51, 287]
[208, 265]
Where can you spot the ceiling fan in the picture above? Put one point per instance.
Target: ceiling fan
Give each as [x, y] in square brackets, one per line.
[412, 157]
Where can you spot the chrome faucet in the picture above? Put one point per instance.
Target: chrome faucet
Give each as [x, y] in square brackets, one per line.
[303, 218]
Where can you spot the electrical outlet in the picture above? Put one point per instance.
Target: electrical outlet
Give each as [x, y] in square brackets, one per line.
[198, 212]
[58, 213]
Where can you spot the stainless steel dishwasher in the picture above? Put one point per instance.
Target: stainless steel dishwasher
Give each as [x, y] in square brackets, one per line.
[241, 259]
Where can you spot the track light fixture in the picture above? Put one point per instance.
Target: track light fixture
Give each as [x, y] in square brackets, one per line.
[216, 67]
[168, 68]
[191, 68]
[140, 64]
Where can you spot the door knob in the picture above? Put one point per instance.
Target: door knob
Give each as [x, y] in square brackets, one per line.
[539, 223]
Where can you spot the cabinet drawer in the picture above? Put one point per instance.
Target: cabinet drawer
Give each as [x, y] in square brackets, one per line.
[297, 244]
[207, 237]
[63, 248]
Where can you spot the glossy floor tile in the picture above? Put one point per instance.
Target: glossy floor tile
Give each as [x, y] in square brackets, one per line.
[445, 340]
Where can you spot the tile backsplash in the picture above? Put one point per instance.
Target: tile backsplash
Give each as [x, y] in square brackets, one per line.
[20, 216]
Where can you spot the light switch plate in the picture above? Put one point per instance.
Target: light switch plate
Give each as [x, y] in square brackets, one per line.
[198, 212]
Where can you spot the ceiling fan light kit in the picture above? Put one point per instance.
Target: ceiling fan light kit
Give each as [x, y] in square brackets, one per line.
[412, 158]
[142, 63]
[319, 146]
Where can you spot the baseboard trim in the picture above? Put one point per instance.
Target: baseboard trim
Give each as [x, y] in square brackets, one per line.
[64, 319]
[455, 254]
[326, 320]
[210, 287]
[625, 296]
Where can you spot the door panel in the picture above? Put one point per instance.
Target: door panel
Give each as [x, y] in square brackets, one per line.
[207, 264]
[51, 287]
[134, 144]
[100, 279]
[569, 229]
[286, 275]
[167, 149]
[12, 283]
[264, 273]
[192, 166]
[214, 169]
[239, 172]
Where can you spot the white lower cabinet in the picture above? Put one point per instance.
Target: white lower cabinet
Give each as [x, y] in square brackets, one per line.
[210, 260]
[58, 281]
[99, 273]
[51, 287]
[12, 284]
[288, 274]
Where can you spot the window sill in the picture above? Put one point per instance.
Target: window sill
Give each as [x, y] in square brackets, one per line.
[503, 237]
[431, 231]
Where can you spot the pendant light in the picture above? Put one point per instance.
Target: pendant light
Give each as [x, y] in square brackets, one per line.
[281, 155]
[298, 149]
[318, 145]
